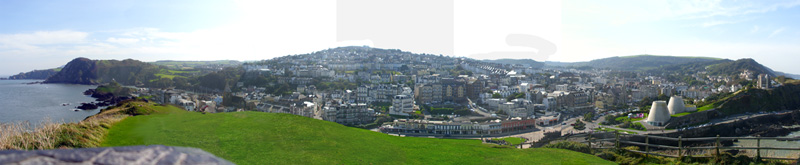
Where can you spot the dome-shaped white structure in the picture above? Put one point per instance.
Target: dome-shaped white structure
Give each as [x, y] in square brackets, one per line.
[676, 105]
[659, 114]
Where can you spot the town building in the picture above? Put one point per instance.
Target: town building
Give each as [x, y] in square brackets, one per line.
[348, 114]
[402, 105]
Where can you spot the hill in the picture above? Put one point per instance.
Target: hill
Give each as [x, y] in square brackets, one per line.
[36, 74]
[640, 62]
[523, 62]
[736, 67]
[785, 97]
[794, 76]
[195, 64]
[686, 68]
[275, 138]
[86, 71]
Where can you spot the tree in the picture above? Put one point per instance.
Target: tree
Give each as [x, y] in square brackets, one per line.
[500, 112]
[588, 117]
[579, 125]
[610, 120]
[497, 96]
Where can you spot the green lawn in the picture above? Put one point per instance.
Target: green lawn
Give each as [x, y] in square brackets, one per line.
[168, 76]
[514, 140]
[182, 71]
[706, 107]
[623, 118]
[612, 130]
[682, 114]
[270, 138]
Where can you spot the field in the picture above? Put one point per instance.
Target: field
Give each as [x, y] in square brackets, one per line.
[683, 114]
[267, 138]
[706, 107]
[612, 130]
[514, 140]
[623, 118]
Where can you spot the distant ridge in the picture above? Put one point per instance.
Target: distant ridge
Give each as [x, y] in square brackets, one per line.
[640, 62]
[35, 74]
[524, 62]
[738, 66]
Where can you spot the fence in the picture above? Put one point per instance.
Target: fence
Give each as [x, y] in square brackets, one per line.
[617, 141]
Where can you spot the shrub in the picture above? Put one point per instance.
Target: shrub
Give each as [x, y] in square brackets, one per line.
[570, 145]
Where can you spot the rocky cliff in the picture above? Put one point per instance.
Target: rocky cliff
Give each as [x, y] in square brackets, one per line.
[92, 72]
[77, 71]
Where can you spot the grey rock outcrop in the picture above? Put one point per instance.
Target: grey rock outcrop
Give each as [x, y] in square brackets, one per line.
[155, 154]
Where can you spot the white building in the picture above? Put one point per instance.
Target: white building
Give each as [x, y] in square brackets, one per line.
[659, 114]
[676, 105]
[402, 105]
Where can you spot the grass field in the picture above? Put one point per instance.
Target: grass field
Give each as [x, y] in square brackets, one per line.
[514, 140]
[705, 108]
[612, 130]
[623, 118]
[168, 76]
[682, 114]
[268, 138]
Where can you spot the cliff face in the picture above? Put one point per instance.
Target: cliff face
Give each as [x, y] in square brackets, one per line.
[77, 71]
[36, 74]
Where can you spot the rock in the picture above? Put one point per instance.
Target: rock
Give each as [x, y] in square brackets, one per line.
[87, 106]
[89, 92]
[155, 154]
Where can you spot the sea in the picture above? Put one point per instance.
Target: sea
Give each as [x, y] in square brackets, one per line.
[37, 103]
[773, 143]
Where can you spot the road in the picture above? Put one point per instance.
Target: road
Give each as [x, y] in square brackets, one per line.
[478, 109]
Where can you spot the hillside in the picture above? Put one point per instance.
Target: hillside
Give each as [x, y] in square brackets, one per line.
[640, 62]
[786, 97]
[523, 62]
[736, 67]
[686, 68]
[36, 74]
[274, 138]
[195, 64]
[86, 71]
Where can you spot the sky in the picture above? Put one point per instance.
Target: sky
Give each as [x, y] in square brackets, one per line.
[40, 34]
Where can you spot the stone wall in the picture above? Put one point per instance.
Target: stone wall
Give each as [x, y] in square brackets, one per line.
[690, 119]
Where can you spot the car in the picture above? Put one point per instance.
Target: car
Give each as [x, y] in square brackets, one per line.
[563, 123]
[573, 124]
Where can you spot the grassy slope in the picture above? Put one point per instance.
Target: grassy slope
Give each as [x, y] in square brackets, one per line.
[264, 138]
[85, 134]
[514, 140]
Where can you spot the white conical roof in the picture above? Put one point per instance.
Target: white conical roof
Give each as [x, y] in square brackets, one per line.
[658, 112]
[676, 105]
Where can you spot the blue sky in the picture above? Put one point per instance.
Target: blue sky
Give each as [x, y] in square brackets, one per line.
[38, 34]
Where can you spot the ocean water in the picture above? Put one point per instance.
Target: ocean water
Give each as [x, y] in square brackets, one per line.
[42, 102]
[774, 143]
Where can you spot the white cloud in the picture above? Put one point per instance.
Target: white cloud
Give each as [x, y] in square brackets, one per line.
[693, 9]
[32, 40]
[123, 40]
[776, 32]
[755, 29]
[715, 23]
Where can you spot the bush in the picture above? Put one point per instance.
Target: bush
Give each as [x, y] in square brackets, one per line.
[441, 111]
[633, 125]
[588, 117]
[579, 125]
[611, 120]
[570, 145]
